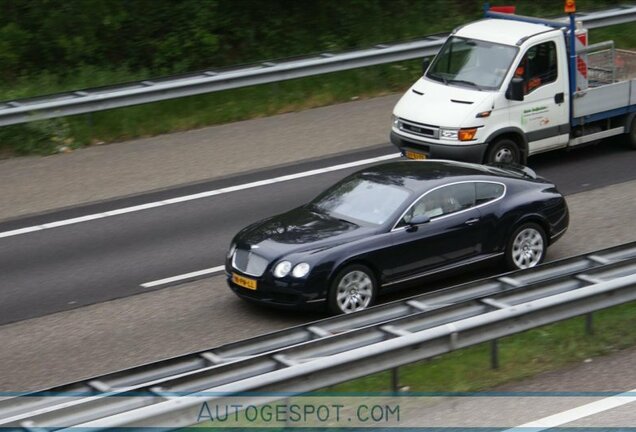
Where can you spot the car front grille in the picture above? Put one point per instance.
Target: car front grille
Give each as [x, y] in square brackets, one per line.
[418, 128]
[249, 263]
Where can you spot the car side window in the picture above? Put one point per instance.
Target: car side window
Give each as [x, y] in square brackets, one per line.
[443, 201]
[486, 192]
[538, 66]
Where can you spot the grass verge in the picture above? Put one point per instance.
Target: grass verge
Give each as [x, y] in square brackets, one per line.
[50, 136]
[521, 356]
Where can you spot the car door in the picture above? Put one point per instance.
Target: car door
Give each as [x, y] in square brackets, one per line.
[489, 198]
[452, 234]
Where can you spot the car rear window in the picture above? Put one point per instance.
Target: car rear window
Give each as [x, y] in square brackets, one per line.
[488, 192]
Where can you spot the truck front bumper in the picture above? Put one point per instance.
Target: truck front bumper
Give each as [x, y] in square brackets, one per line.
[464, 152]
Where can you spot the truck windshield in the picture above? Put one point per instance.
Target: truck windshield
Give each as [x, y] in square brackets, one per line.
[472, 63]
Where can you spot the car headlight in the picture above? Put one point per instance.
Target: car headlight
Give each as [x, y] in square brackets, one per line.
[301, 270]
[282, 269]
[230, 253]
[395, 121]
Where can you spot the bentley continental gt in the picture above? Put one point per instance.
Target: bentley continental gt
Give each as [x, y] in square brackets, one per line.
[392, 224]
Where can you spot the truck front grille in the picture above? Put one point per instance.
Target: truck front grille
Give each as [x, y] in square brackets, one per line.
[418, 128]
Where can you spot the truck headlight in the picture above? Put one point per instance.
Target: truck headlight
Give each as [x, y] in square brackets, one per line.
[465, 134]
[448, 134]
[395, 121]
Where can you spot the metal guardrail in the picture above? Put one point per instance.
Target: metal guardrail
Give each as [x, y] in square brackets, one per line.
[134, 93]
[337, 349]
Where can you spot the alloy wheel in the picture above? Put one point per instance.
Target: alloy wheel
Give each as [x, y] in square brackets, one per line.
[354, 291]
[528, 248]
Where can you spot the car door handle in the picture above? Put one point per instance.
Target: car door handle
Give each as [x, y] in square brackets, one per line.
[559, 97]
[472, 221]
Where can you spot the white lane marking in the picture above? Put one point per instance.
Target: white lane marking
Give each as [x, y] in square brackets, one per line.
[578, 413]
[183, 276]
[195, 196]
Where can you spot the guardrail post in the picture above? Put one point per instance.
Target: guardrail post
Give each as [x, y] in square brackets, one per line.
[494, 354]
[395, 379]
[589, 324]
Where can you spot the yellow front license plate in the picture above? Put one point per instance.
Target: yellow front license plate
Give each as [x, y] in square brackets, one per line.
[244, 282]
[414, 155]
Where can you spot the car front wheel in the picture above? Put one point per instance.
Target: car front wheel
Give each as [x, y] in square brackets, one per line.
[353, 289]
[527, 247]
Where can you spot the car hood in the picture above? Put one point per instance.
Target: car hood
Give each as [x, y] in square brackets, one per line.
[434, 103]
[299, 230]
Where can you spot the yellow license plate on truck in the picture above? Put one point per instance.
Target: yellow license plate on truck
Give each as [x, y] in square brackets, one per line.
[244, 282]
[414, 155]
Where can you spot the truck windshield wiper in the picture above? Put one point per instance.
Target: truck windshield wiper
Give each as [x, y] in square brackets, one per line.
[438, 78]
[470, 83]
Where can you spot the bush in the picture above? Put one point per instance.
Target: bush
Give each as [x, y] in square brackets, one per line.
[41, 137]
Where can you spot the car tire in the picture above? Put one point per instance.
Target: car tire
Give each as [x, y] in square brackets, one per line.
[631, 134]
[505, 151]
[527, 247]
[353, 289]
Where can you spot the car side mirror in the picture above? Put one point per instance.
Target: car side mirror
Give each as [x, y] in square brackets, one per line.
[417, 220]
[426, 62]
[515, 89]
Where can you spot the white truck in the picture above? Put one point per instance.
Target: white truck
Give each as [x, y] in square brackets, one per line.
[508, 86]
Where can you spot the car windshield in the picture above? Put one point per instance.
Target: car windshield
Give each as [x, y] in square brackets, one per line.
[472, 63]
[360, 200]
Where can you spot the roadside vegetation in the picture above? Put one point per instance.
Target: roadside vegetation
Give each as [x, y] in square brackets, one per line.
[47, 47]
[521, 356]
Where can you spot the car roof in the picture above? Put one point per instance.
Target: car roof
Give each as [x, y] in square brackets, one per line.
[420, 176]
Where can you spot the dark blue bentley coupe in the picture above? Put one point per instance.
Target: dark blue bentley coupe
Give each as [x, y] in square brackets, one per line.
[394, 223]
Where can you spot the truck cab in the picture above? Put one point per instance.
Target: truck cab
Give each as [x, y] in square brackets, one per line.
[499, 90]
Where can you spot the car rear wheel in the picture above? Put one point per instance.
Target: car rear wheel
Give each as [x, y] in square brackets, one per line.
[353, 289]
[503, 151]
[527, 247]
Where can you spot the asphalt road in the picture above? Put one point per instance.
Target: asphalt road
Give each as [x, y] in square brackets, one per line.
[89, 262]
[104, 337]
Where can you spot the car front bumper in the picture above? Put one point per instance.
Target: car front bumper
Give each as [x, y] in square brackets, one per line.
[465, 152]
[287, 293]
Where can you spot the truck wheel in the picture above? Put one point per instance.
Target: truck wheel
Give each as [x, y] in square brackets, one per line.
[505, 151]
[631, 134]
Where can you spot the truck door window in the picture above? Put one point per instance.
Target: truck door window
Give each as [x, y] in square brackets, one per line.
[538, 66]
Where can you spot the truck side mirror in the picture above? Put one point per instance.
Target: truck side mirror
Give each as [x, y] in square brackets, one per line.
[515, 89]
[426, 62]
